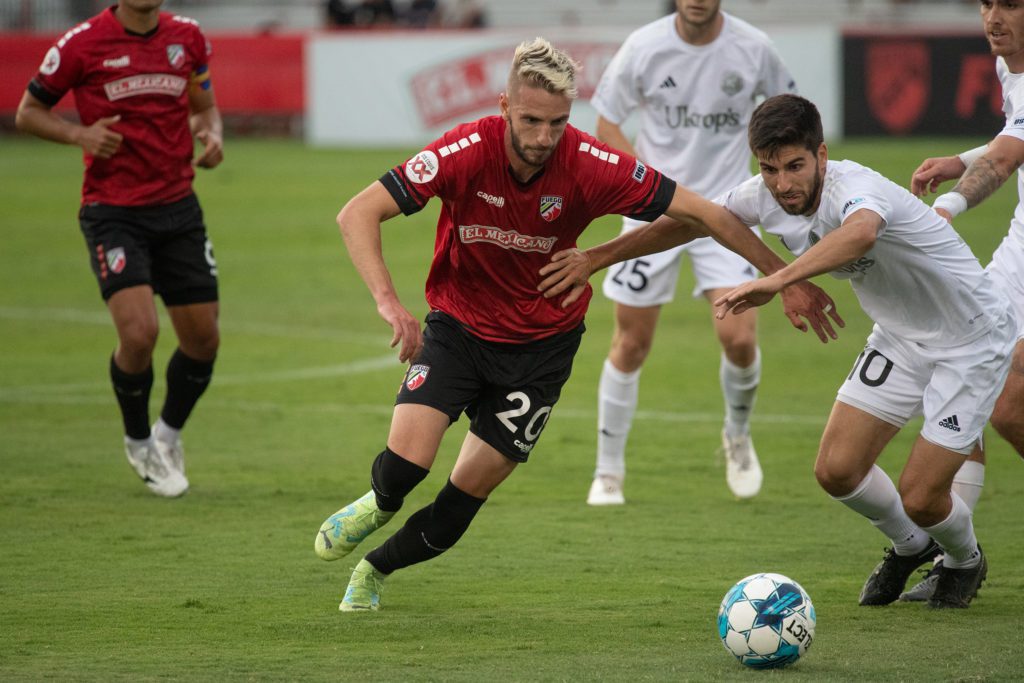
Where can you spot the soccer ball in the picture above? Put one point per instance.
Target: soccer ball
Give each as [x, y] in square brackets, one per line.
[766, 621]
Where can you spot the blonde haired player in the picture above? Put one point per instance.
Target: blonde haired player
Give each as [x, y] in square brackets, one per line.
[514, 188]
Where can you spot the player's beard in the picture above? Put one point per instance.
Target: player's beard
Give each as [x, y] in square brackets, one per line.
[534, 156]
[809, 200]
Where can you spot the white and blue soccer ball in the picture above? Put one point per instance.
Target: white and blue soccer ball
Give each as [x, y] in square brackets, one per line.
[766, 621]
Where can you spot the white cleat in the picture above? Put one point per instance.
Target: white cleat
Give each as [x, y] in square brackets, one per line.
[606, 489]
[154, 468]
[742, 470]
[173, 452]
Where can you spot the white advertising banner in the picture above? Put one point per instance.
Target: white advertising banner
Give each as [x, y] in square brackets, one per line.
[405, 89]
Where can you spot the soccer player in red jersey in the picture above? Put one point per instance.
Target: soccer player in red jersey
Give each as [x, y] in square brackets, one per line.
[142, 89]
[513, 188]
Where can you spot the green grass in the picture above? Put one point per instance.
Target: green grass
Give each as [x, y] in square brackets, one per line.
[99, 580]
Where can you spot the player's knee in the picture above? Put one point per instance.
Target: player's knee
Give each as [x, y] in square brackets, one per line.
[631, 349]
[202, 345]
[1009, 422]
[740, 348]
[835, 479]
[920, 506]
[138, 337]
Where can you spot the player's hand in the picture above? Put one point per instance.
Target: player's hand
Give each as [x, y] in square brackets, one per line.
[933, 172]
[569, 269]
[807, 300]
[98, 139]
[406, 330]
[213, 149]
[746, 296]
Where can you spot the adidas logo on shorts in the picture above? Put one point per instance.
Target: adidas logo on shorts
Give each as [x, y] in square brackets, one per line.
[950, 423]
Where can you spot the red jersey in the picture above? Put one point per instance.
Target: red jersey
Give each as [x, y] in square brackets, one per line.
[145, 79]
[495, 233]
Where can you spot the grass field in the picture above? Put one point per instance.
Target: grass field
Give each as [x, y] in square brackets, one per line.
[100, 580]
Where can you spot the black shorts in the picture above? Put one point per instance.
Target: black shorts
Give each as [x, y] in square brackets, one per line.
[507, 390]
[165, 247]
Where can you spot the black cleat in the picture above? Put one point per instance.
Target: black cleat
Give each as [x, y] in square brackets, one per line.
[923, 589]
[890, 576]
[957, 587]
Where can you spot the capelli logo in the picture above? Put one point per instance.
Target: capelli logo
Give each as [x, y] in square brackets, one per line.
[491, 199]
[1018, 122]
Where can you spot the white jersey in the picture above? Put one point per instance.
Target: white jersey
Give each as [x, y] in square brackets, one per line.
[695, 101]
[920, 280]
[1013, 107]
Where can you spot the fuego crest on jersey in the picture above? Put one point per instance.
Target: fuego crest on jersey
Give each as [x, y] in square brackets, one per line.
[176, 55]
[416, 376]
[116, 260]
[550, 207]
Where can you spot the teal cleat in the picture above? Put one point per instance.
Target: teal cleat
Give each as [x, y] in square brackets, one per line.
[364, 589]
[346, 528]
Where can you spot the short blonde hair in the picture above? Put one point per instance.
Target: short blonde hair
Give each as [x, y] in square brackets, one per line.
[539, 64]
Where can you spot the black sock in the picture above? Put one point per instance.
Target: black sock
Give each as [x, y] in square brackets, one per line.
[187, 379]
[132, 392]
[428, 532]
[392, 478]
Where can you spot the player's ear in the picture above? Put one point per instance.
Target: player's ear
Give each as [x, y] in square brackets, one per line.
[503, 105]
[822, 154]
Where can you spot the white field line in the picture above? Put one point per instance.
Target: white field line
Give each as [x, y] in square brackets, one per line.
[98, 391]
[102, 318]
[42, 391]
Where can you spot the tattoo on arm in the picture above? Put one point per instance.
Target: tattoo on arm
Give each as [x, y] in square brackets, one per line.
[981, 179]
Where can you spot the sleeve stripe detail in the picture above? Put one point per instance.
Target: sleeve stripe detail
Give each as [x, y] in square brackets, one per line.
[610, 157]
[460, 144]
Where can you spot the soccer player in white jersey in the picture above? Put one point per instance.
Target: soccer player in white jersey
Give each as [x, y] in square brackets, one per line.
[980, 172]
[941, 343]
[693, 78]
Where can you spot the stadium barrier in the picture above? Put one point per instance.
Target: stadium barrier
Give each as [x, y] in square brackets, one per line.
[920, 84]
[370, 89]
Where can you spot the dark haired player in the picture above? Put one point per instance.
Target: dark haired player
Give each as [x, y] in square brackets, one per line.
[941, 344]
[142, 89]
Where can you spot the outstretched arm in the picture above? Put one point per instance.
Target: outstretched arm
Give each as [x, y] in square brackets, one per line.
[850, 241]
[688, 217]
[359, 222]
[984, 176]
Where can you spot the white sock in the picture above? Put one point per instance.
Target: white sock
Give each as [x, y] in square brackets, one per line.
[877, 499]
[617, 396]
[164, 432]
[968, 482]
[956, 536]
[739, 388]
[135, 443]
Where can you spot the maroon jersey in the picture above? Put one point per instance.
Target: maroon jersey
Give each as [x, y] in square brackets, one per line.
[145, 79]
[495, 233]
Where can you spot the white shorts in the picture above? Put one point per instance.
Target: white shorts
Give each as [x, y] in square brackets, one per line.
[955, 388]
[651, 280]
[1007, 272]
